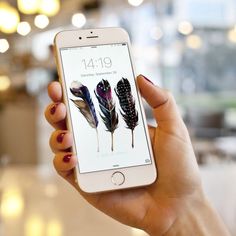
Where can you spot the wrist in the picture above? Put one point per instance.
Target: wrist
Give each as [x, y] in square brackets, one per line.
[190, 219]
[192, 216]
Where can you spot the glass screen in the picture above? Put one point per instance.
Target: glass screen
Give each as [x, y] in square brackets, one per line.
[104, 108]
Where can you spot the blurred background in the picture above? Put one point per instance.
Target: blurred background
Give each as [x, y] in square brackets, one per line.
[186, 46]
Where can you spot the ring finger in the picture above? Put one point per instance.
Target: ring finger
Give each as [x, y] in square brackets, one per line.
[60, 140]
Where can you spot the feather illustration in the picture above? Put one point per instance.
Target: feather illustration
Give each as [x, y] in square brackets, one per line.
[127, 104]
[85, 105]
[107, 105]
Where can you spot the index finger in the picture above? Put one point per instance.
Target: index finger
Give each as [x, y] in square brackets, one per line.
[55, 91]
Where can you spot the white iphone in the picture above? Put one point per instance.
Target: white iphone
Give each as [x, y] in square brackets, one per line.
[104, 110]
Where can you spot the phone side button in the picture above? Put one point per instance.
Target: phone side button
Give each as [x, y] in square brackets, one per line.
[117, 178]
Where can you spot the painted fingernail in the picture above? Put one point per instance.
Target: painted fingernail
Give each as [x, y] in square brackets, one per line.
[147, 79]
[67, 158]
[60, 137]
[53, 108]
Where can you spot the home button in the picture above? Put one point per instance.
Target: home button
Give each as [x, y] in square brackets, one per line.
[117, 178]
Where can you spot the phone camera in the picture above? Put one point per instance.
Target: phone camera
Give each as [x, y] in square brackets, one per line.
[91, 32]
[80, 38]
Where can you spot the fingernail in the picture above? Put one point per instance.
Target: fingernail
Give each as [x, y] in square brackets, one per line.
[67, 158]
[147, 79]
[60, 137]
[53, 108]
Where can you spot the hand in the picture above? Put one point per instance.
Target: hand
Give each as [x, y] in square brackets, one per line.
[158, 208]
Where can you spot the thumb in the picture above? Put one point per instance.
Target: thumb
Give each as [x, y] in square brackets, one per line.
[164, 106]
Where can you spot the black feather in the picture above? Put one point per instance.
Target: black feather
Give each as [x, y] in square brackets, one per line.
[107, 106]
[127, 104]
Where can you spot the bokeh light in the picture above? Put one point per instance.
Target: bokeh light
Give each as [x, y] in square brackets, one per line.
[12, 204]
[54, 227]
[9, 18]
[41, 21]
[4, 45]
[49, 7]
[185, 28]
[78, 20]
[232, 35]
[194, 41]
[28, 6]
[135, 3]
[23, 28]
[34, 226]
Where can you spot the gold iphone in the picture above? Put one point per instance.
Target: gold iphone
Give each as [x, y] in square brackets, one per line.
[104, 110]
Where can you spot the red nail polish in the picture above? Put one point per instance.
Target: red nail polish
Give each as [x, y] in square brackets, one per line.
[67, 158]
[147, 79]
[53, 109]
[60, 137]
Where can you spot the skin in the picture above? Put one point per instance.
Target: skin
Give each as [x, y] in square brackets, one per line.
[175, 200]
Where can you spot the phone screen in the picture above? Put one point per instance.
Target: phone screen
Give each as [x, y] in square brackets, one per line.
[104, 108]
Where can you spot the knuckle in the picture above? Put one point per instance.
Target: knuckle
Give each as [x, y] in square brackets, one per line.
[46, 112]
[53, 135]
[57, 158]
[52, 139]
[170, 97]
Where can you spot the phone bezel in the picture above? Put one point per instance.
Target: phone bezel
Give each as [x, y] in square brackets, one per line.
[101, 181]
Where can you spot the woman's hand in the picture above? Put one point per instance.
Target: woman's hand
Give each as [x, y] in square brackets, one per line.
[159, 209]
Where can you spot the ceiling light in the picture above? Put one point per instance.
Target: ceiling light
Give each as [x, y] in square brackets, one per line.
[41, 21]
[9, 18]
[28, 6]
[194, 41]
[185, 28]
[4, 45]
[78, 20]
[135, 3]
[49, 7]
[23, 28]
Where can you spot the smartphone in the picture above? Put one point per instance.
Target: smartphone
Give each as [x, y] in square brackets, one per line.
[104, 110]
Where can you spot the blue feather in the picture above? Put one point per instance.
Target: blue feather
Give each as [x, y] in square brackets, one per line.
[85, 104]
